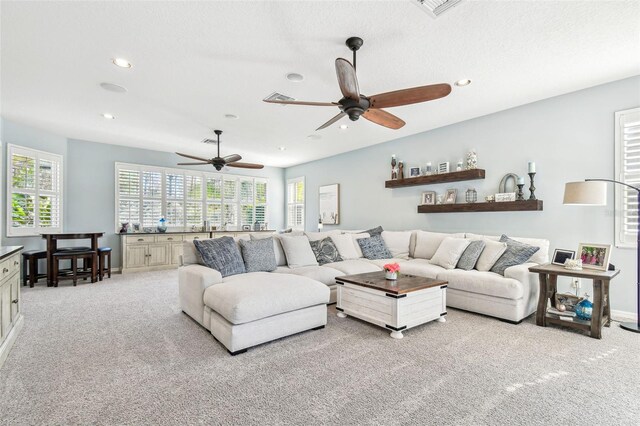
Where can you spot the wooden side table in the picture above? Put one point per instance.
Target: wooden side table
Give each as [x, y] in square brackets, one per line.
[601, 313]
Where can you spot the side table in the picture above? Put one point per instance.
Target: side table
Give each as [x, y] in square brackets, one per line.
[601, 313]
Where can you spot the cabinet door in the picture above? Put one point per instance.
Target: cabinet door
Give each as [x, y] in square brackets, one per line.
[5, 309]
[158, 254]
[176, 252]
[136, 256]
[15, 297]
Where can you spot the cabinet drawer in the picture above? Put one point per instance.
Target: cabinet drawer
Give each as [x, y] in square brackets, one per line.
[163, 238]
[9, 266]
[141, 239]
[189, 237]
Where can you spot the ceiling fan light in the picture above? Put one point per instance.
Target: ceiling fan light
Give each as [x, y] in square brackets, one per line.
[463, 82]
[343, 127]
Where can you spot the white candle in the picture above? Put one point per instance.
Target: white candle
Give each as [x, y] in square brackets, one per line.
[532, 167]
[520, 181]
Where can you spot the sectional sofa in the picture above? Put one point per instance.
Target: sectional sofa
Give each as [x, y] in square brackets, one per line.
[249, 309]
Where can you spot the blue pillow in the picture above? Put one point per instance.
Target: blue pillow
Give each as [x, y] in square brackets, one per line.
[221, 254]
[374, 248]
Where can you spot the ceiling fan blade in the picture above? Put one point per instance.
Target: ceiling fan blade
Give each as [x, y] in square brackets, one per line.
[347, 79]
[383, 118]
[410, 96]
[194, 157]
[333, 120]
[301, 103]
[245, 165]
[232, 158]
[193, 164]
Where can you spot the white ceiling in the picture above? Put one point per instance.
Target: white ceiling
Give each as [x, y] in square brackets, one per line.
[194, 62]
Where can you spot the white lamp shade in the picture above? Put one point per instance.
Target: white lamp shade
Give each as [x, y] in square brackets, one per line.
[585, 193]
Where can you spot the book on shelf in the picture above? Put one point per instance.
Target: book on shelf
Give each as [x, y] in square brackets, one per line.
[569, 314]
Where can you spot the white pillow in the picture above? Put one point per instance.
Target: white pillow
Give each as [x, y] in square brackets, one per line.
[298, 251]
[281, 259]
[428, 242]
[449, 252]
[540, 257]
[490, 255]
[355, 237]
[345, 245]
[397, 243]
[317, 236]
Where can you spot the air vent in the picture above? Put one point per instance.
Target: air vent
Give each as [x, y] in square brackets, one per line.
[275, 96]
[435, 8]
[210, 141]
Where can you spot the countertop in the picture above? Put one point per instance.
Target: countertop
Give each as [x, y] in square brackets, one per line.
[6, 251]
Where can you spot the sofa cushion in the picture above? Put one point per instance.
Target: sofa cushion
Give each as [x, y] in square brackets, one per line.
[428, 242]
[323, 274]
[357, 237]
[449, 252]
[317, 236]
[471, 255]
[356, 266]
[374, 231]
[374, 248]
[281, 259]
[420, 268]
[540, 257]
[258, 255]
[516, 253]
[345, 245]
[381, 262]
[221, 254]
[258, 295]
[490, 254]
[482, 282]
[298, 251]
[397, 243]
[325, 251]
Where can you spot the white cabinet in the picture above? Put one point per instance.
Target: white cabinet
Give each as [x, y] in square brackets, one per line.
[10, 304]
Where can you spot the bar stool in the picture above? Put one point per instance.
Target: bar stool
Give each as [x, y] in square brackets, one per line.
[73, 256]
[104, 256]
[30, 272]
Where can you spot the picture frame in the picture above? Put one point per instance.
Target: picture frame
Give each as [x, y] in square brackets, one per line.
[561, 255]
[414, 171]
[450, 196]
[246, 227]
[443, 167]
[329, 204]
[595, 256]
[136, 227]
[568, 300]
[428, 198]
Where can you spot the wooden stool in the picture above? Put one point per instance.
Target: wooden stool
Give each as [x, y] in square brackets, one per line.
[104, 256]
[30, 271]
[73, 256]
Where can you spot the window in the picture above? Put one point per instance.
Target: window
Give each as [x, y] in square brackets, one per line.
[295, 203]
[34, 183]
[627, 169]
[185, 198]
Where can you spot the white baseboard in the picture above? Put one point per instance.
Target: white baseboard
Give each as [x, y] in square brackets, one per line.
[623, 316]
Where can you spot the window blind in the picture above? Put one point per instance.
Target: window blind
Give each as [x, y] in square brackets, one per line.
[295, 203]
[628, 171]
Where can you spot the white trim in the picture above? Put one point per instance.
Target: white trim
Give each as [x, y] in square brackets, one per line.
[620, 241]
[623, 316]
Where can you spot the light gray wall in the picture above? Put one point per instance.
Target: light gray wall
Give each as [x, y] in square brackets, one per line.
[570, 137]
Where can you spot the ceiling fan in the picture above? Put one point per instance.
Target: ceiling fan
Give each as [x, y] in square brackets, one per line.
[219, 162]
[354, 104]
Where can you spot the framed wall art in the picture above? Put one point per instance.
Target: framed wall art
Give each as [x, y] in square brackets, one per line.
[329, 204]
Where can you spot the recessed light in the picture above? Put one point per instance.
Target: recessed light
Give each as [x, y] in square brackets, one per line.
[231, 116]
[121, 62]
[463, 82]
[344, 127]
[282, 148]
[113, 87]
[295, 77]
[314, 136]
[108, 116]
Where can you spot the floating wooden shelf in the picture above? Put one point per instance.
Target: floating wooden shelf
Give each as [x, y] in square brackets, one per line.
[472, 174]
[508, 206]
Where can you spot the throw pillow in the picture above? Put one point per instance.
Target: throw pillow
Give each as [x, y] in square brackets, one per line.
[449, 252]
[345, 245]
[471, 255]
[355, 238]
[258, 255]
[298, 251]
[397, 243]
[221, 254]
[281, 259]
[325, 251]
[373, 231]
[539, 257]
[516, 254]
[428, 242]
[490, 255]
[374, 248]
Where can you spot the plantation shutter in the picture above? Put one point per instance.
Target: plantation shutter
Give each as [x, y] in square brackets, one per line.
[261, 201]
[193, 206]
[628, 171]
[246, 201]
[230, 206]
[214, 200]
[151, 198]
[174, 190]
[295, 203]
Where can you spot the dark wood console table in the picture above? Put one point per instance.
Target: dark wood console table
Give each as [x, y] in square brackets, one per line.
[52, 246]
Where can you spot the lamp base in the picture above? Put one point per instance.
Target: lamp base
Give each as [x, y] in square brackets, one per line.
[630, 326]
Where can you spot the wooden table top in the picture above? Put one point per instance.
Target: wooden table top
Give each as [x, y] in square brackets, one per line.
[404, 284]
[593, 274]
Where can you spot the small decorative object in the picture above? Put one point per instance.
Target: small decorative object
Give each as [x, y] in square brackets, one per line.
[440, 198]
[124, 227]
[560, 256]
[256, 226]
[450, 196]
[136, 227]
[428, 198]
[505, 181]
[414, 171]
[459, 166]
[532, 173]
[561, 308]
[520, 195]
[428, 169]
[472, 159]
[391, 271]
[490, 198]
[162, 225]
[443, 167]
[329, 204]
[584, 308]
[320, 225]
[573, 264]
[246, 227]
[595, 256]
[471, 196]
[505, 196]
[394, 169]
[568, 300]
[400, 170]
[147, 230]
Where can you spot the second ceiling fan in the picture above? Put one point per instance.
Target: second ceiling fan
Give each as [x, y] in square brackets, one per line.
[354, 104]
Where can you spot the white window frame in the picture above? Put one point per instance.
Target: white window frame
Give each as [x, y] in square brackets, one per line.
[39, 155]
[293, 181]
[623, 240]
[204, 176]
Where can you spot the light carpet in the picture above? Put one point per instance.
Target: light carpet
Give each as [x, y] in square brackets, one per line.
[122, 352]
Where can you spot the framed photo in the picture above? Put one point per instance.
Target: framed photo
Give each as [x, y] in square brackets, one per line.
[246, 227]
[595, 256]
[428, 198]
[568, 300]
[414, 171]
[561, 255]
[443, 167]
[450, 196]
[329, 203]
[136, 227]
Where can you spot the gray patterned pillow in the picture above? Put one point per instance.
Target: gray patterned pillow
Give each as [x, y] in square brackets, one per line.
[516, 253]
[259, 255]
[374, 248]
[374, 231]
[471, 255]
[221, 254]
[325, 251]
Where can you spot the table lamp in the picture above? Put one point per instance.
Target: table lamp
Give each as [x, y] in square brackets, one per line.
[593, 192]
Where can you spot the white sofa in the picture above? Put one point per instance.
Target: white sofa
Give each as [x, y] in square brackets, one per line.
[281, 306]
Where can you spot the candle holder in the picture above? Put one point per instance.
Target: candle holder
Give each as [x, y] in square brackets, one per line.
[520, 195]
[532, 188]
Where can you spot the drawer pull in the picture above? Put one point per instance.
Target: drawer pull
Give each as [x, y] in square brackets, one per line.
[140, 239]
[14, 301]
[170, 238]
[5, 270]
[15, 262]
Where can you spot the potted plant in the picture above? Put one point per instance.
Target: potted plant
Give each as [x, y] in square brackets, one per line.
[391, 271]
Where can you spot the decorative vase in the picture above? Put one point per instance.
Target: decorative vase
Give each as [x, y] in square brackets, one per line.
[471, 196]
[391, 275]
[125, 227]
[162, 225]
[472, 160]
[584, 308]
